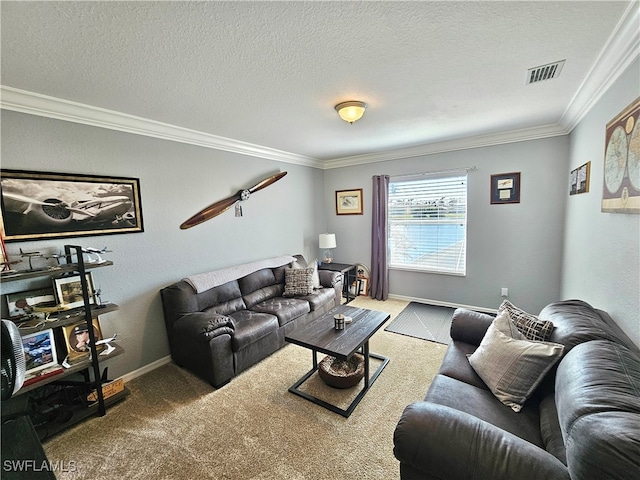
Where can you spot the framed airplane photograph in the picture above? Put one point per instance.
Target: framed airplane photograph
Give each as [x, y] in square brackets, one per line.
[42, 205]
[505, 188]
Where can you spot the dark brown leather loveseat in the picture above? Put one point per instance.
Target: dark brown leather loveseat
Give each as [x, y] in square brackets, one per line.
[218, 332]
[582, 422]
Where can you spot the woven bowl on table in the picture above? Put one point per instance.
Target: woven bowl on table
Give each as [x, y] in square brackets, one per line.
[341, 373]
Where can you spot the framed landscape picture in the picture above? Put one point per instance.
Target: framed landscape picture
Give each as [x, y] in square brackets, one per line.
[40, 205]
[349, 202]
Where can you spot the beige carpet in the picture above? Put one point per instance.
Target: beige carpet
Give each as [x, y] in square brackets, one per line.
[175, 426]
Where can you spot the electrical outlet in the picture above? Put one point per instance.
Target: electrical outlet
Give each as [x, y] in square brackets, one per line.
[504, 292]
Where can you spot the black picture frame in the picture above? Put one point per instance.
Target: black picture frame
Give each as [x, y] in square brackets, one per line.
[46, 205]
[505, 188]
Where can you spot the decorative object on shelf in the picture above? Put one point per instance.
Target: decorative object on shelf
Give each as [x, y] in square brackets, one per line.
[505, 188]
[579, 179]
[94, 255]
[39, 351]
[39, 205]
[78, 342]
[349, 202]
[351, 111]
[342, 373]
[621, 183]
[327, 242]
[221, 206]
[69, 290]
[21, 305]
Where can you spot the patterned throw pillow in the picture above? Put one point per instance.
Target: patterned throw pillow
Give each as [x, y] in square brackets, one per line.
[529, 325]
[298, 281]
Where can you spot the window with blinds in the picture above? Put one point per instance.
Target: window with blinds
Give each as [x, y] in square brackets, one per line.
[428, 223]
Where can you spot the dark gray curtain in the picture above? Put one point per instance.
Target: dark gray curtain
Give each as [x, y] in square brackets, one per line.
[379, 267]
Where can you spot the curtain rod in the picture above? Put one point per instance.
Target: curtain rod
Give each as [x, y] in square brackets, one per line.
[437, 172]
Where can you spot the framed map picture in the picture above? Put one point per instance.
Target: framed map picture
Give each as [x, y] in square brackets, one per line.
[621, 183]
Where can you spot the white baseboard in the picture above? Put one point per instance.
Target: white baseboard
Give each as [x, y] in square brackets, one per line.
[443, 304]
[146, 369]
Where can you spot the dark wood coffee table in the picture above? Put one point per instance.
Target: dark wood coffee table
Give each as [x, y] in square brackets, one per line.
[321, 336]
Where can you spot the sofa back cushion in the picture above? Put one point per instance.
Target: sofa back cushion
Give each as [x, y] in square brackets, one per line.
[224, 299]
[598, 401]
[575, 322]
[259, 286]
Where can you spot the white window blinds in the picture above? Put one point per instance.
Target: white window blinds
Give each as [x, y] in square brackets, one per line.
[428, 223]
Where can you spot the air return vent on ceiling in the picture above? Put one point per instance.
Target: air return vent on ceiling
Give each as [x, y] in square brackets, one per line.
[544, 72]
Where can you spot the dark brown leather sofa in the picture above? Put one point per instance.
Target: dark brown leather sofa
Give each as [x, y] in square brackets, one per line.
[224, 330]
[582, 422]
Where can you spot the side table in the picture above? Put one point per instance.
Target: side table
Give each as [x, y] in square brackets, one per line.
[349, 276]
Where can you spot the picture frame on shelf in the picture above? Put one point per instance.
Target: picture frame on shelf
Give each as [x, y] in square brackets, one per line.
[46, 205]
[77, 340]
[505, 188]
[349, 202]
[39, 351]
[579, 179]
[68, 290]
[20, 305]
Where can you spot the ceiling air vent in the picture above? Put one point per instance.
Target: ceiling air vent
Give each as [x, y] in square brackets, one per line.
[544, 72]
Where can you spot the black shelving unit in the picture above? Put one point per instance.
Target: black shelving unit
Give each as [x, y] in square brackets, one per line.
[89, 367]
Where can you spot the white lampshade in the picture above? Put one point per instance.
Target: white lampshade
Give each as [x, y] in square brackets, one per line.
[327, 240]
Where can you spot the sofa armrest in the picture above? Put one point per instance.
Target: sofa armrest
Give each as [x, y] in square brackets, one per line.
[469, 326]
[204, 326]
[329, 279]
[447, 443]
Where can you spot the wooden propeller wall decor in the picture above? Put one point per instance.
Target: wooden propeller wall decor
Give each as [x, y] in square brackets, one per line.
[217, 208]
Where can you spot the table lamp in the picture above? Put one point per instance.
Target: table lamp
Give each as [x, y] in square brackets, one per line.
[327, 241]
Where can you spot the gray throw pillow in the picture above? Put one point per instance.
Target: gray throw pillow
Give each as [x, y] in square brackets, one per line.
[510, 365]
[531, 326]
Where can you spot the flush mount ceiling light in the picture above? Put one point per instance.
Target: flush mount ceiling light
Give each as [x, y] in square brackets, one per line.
[351, 111]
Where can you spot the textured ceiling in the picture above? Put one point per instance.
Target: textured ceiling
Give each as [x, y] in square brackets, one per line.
[269, 73]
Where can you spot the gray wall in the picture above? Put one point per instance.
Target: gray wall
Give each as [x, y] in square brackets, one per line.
[517, 246]
[176, 180]
[601, 262]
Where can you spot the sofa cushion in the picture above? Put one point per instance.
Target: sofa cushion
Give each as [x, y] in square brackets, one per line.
[256, 280]
[550, 429]
[481, 403]
[512, 367]
[319, 297]
[286, 309]
[456, 364]
[251, 327]
[226, 298]
[576, 322]
[529, 325]
[598, 399]
[298, 281]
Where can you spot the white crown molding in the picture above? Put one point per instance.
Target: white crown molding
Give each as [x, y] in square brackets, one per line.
[622, 48]
[488, 140]
[45, 106]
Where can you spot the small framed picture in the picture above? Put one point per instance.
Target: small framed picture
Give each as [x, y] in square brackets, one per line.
[20, 305]
[69, 290]
[349, 202]
[77, 339]
[579, 179]
[39, 351]
[505, 188]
